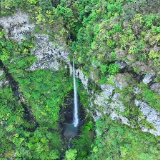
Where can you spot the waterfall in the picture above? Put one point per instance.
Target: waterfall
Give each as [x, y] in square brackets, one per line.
[75, 111]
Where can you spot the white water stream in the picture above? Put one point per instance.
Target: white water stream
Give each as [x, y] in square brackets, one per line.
[75, 111]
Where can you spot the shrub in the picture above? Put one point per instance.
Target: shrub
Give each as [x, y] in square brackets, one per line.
[33, 1]
[156, 29]
[45, 5]
[153, 54]
[113, 68]
[71, 154]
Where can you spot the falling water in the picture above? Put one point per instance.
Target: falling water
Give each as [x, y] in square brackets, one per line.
[75, 112]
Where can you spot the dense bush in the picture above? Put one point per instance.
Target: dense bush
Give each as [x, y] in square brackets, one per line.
[46, 5]
[41, 88]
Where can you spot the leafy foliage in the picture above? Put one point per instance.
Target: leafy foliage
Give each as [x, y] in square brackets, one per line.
[99, 33]
[44, 94]
[122, 142]
[71, 154]
[46, 5]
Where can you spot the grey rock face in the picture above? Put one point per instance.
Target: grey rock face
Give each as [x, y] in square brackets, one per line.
[97, 115]
[155, 87]
[121, 81]
[116, 107]
[143, 67]
[151, 115]
[105, 95]
[115, 116]
[82, 77]
[17, 25]
[121, 64]
[3, 83]
[1, 73]
[47, 54]
[137, 90]
[147, 79]
[118, 85]
[113, 108]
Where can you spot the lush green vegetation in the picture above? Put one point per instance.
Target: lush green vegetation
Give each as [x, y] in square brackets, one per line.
[43, 94]
[122, 142]
[99, 33]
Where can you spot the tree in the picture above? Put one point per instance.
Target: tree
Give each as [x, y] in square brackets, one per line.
[71, 154]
